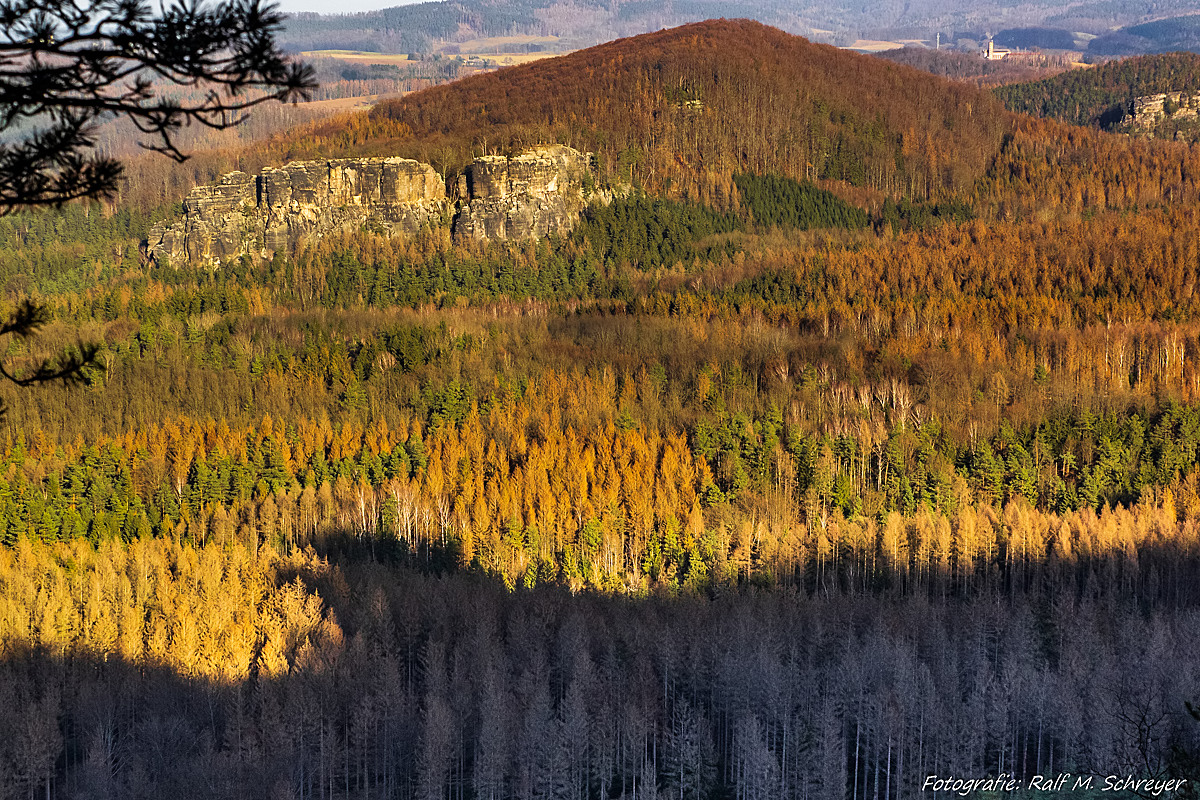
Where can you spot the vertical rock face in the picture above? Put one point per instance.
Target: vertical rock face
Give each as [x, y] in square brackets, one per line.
[1152, 109]
[529, 195]
[260, 215]
[533, 194]
[306, 197]
[219, 216]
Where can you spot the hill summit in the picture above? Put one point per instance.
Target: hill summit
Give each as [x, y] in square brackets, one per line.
[686, 109]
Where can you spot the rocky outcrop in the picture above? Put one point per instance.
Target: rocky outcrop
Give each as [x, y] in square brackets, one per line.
[397, 195]
[1147, 112]
[530, 195]
[262, 214]
[216, 222]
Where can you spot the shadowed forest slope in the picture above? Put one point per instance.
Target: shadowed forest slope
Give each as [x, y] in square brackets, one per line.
[152, 670]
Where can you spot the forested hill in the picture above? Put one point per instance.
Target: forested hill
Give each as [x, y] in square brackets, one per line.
[1100, 96]
[690, 107]
[1158, 36]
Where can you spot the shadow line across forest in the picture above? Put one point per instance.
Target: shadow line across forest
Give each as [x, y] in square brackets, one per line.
[156, 669]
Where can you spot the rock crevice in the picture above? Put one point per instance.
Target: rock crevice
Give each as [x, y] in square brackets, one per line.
[530, 195]
[1148, 111]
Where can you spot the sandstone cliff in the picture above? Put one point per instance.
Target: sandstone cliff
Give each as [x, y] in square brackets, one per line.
[261, 214]
[529, 195]
[1147, 112]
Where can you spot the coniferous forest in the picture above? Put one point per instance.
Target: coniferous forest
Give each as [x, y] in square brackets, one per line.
[850, 438]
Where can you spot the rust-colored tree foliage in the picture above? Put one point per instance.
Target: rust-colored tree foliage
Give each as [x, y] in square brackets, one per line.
[700, 499]
[689, 107]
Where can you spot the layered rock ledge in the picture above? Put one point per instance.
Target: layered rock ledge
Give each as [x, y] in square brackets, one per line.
[1148, 111]
[526, 196]
[530, 195]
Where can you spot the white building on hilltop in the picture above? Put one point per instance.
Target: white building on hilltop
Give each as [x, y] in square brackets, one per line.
[994, 53]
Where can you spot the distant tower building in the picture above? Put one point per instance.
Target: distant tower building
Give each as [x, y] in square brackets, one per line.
[994, 53]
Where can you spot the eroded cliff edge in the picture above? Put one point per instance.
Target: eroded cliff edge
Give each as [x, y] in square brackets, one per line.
[526, 196]
[531, 195]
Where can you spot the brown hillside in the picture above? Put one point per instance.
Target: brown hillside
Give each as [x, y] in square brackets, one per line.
[686, 108]
[680, 111]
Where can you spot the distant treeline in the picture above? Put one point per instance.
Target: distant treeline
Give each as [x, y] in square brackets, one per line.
[970, 67]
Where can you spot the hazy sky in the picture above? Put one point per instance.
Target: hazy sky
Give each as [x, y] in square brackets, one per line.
[340, 6]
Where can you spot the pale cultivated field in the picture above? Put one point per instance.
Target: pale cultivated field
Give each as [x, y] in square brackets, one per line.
[508, 59]
[873, 46]
[343, 103]
[492, 49]
[489, 54]
[496, 49]
[358, 55]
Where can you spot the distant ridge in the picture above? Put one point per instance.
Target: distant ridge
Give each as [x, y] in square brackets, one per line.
[961, 66]
[1158, 36]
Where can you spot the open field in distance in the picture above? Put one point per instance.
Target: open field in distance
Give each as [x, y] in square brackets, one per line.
[358, 55]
